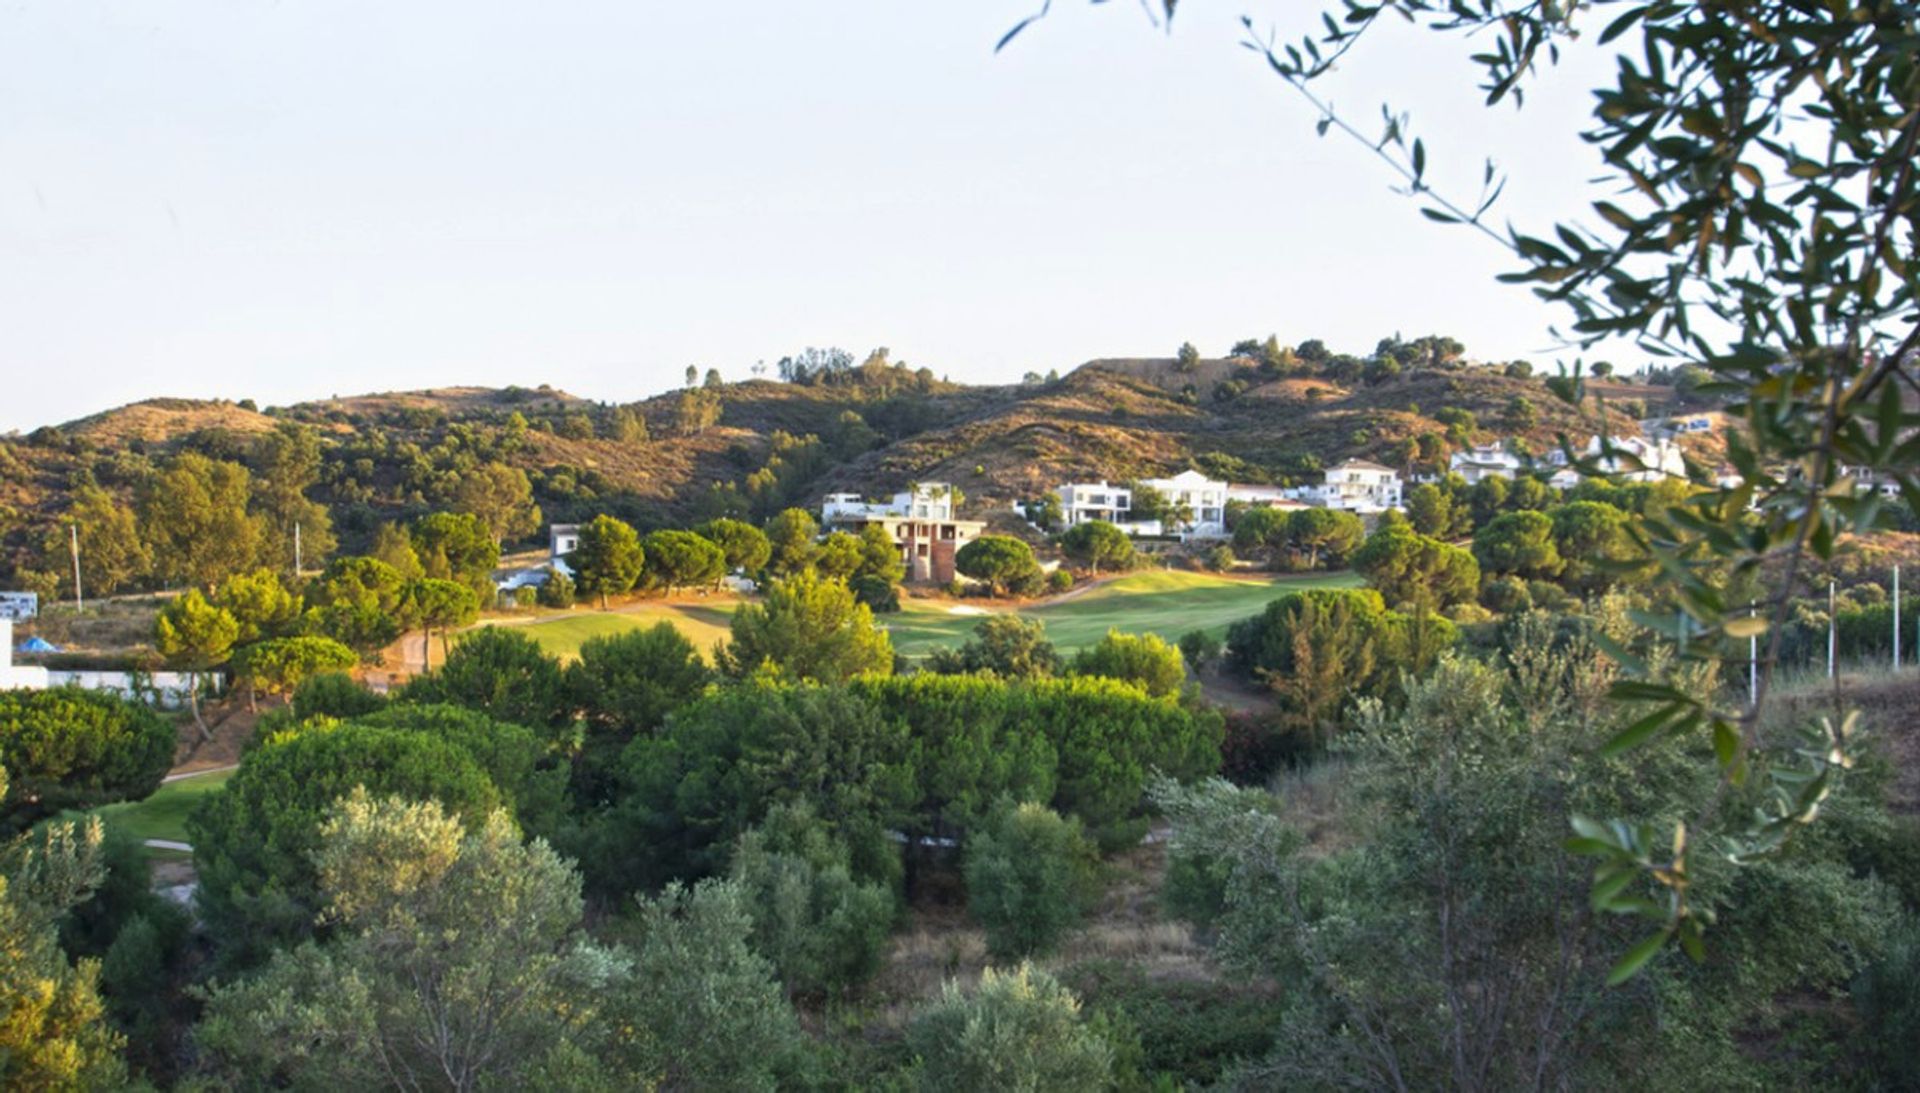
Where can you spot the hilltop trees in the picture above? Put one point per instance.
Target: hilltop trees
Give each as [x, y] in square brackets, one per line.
[609, 558]
[193, 515]
[458, 547]
[501, 497]
[112, 555]
[286, 464]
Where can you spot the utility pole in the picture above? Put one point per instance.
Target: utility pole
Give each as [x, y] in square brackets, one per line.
[1833, 632]
[296, 550]
[1753, 661]
[1896, 618]
[74, 538]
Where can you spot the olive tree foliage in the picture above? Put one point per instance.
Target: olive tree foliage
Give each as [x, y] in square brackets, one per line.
[823, 929]
[1017, 1030]
[54, 1032]
[1757, 228]
[1030, 877]
[1455, 945]
[457, 962]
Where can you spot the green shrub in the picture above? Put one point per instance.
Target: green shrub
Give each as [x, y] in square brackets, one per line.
[1887, 998]
[557, 590]
[68, 748]
[501, 673]
[526, 597]
[1145, 659]
[1030, 877]
[1019, 1030]
[334, 694]
[1189, 1033]
[1200, 648]
[1506, 595]
[1059, 581]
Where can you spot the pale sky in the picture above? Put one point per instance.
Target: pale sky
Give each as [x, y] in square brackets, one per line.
[310, 197]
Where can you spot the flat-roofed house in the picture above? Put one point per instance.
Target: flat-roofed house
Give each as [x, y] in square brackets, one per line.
[1485, 461]
[1204, 499]
[1081, 502]
[1360, 486]
[919, 519]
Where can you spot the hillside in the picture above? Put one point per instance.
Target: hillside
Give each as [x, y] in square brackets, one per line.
[752, 447]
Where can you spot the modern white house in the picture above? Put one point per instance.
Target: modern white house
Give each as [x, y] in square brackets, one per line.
[1265, 497]
[1204, 499]
[1081, 502]
[562, 540]
[1634, 459]
[923, 501]
[1485, 461]
[24, 677]
[1358, 486]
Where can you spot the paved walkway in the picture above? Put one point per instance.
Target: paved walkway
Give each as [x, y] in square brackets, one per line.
[169, 844]
[197, 773]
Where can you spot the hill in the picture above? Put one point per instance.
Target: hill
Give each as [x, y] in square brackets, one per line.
[752, 447]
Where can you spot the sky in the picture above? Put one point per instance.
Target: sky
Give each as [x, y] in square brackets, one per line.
[291, 200]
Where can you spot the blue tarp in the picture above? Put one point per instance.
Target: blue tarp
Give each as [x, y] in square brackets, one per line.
[38, 645]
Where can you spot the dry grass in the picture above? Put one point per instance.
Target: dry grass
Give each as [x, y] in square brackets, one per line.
[122, 625]
[1313, 801]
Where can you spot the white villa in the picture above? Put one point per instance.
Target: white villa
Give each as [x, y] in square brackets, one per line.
[1265, 497]
[1081, 502]
[1204, 498]
[1358, 486]
[24, 677]
[562, 540]
[1485, 461]
[924, 501]
[1635, 460]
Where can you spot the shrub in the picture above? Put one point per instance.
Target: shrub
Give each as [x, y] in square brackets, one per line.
[1145, 659]
[1019, 1030]
[334, 694]
[1029, 877]
[1059, 581]
[501, 673]
[557, 591]
[526, 598]
[1008, 646]
[878, 593]
[69, 748]
[823, 930]
[1507, 595]
[1887, 998]
[1200, 648]
[1219, 558]
[1468, 614]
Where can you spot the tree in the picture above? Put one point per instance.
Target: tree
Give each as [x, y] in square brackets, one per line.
[1007, 646]
[253, 842]
[1410, 568]
[1017, 1030]
[824, 931]
[1591, 538]
[501, 673]
[745, 547]
[280, 665]
[1096, 543]
[1261, 531]
[880, 558]
[609, 558]
[1520, 413]
[261, 605]
[1519, 543]
[196, 636]
[1145, 659]
[501, 497]
[678, 559]
[1030, 877]
[286, 464]
[460, 963]
[693, 373]
[838, 556]
[458, 547]
[1187, 358]
[790, 538]
[1431, 509]
[1000, 560]
[1200, 648]
[696, 410]
[808, 628]
[1327, 535]
[54, 1032]
[72, 749]
[334, 694]
[629, 425]
[556, 590]
[625, 685]
[392, 545]
[195, 520]
[706, 1010]
[359, 602]
[111, 553]
[438, 605]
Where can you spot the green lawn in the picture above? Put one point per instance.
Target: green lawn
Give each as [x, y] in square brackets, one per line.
[163, 815]
[702, 623]
[1164, 603]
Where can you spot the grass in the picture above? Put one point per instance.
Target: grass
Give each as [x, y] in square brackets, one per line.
[562, 635]
[164, 814]
[1165, 603]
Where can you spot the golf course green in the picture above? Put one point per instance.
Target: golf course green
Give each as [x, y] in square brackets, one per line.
[1165, 603]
